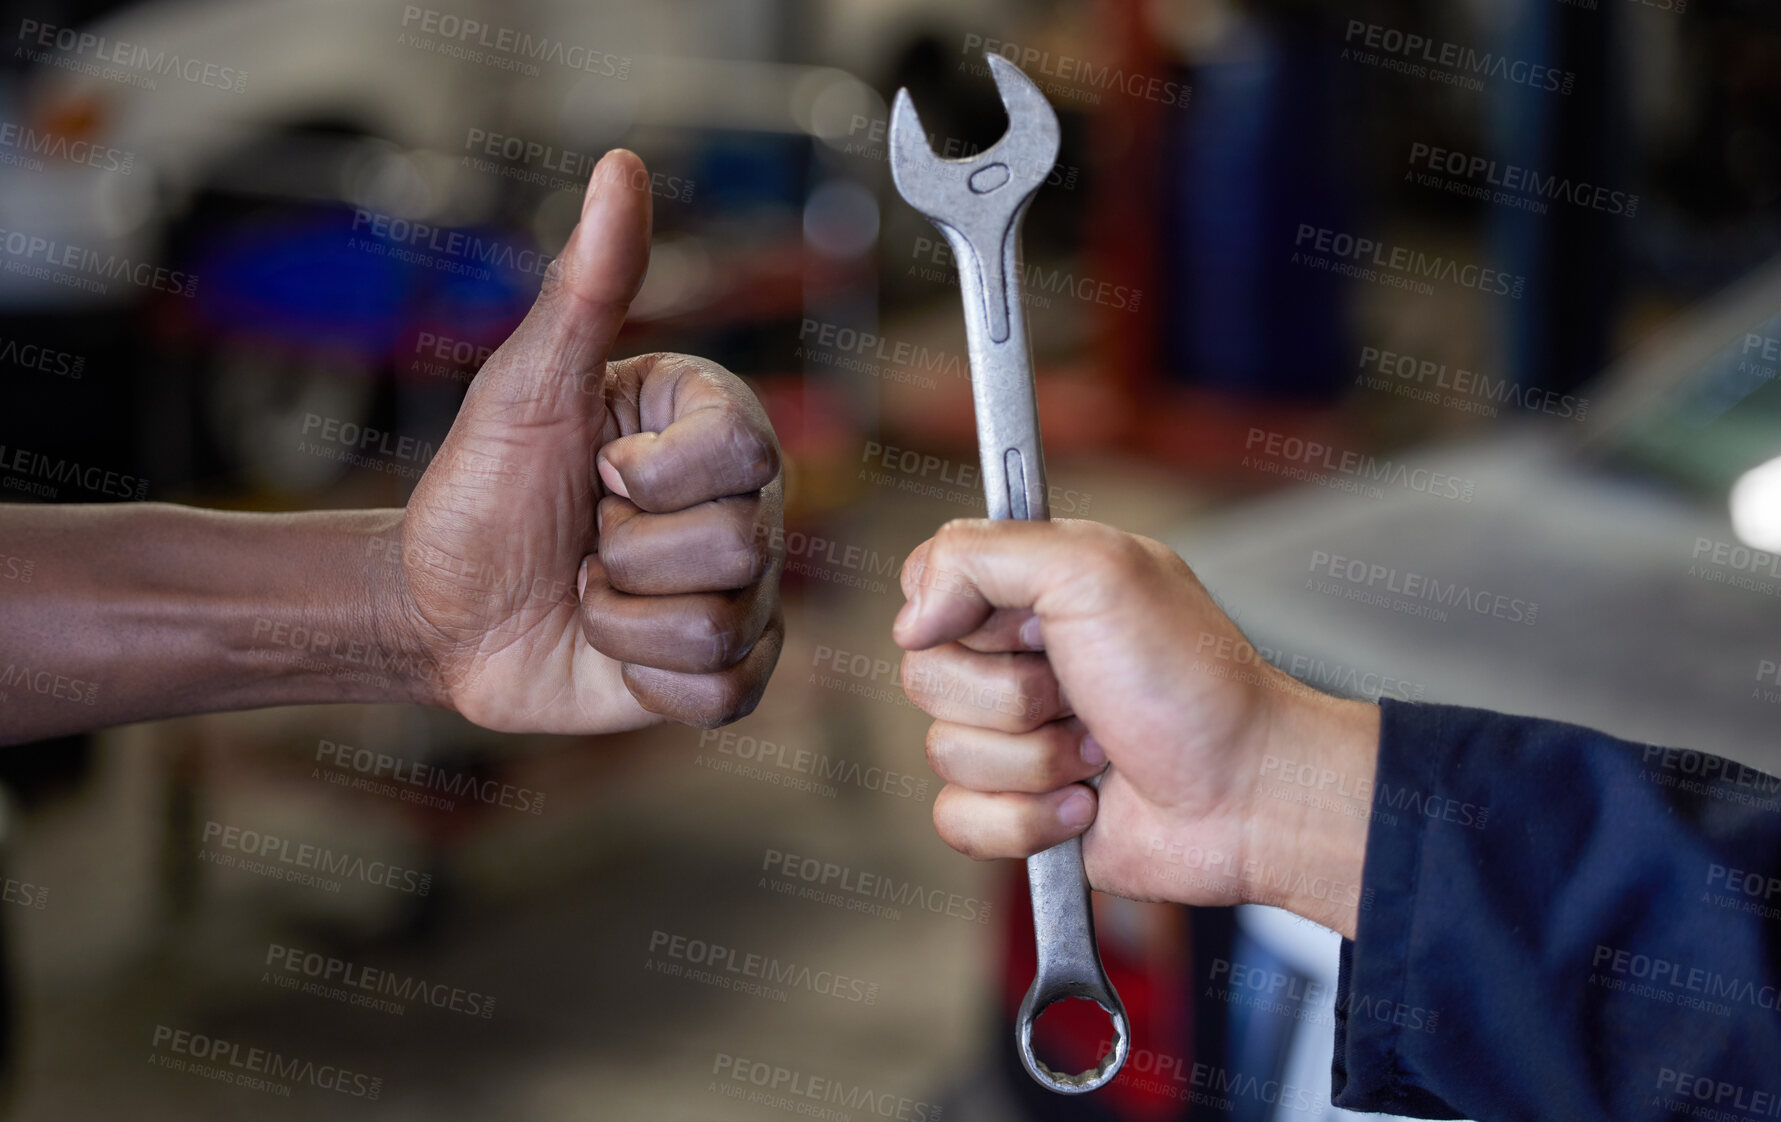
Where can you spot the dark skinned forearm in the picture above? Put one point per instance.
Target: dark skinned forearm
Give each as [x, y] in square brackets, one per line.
[129, 612]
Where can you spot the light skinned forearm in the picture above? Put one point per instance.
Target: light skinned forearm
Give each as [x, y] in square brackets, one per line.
[128, 612]
[1308, 840]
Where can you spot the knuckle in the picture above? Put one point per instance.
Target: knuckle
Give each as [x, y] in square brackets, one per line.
[951, 536]
[1159, 556]
[597, 630]
[616, 561]
[943, 824]
[734, 696]
[1154, 549]
[1058, 763]
[937, 751]
[641, 683]
[946, 564]
[943, 545]
[709, 718]
[642, 475]
[557, 277]
[927, 682]
[716, 637]
[913, 675]
[1022, 698]
[749, 552]
[1115, 553]
[619, 575]
[950, 824]
[570, 288]
[1038, 825]
[756, 454]
[608, 520]
[752, 443]
[1024, 677]
[680, 365]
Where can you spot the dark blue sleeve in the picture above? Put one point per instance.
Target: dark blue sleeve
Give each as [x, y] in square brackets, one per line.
[1559, 924]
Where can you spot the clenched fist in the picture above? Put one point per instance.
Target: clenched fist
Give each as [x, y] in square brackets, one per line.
[1052, 652]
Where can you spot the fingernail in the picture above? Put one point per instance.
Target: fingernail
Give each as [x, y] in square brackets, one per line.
[614, 481]
[1092, 753]
[581, 580]
[1029, 635]
[1077, 810]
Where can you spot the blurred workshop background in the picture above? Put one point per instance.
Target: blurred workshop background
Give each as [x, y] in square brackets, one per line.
[1484, 294]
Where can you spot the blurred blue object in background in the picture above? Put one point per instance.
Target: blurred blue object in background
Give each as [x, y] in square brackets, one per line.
[1256, 155]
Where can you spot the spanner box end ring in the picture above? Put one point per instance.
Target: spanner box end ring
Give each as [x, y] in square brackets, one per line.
[1083, 1082]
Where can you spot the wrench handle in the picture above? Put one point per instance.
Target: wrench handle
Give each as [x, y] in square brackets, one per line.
[1002, 378]
[1014, 486]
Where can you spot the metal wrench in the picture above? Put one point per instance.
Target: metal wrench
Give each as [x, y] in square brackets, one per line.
[978, 204]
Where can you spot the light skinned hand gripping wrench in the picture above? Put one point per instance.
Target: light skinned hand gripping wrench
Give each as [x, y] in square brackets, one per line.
[978, 204]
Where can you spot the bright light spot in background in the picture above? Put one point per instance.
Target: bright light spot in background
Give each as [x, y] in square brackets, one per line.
[382, 177]
[681, 278]
[837, 108]
[123, 203]
[841, 219]
[1756, 507]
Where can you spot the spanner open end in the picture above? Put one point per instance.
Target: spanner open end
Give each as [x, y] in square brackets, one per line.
[978, 202]
[1010, 169]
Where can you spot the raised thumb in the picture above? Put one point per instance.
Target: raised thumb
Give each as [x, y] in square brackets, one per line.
[560, 349]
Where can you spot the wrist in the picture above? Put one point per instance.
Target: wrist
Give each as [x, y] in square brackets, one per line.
[332, 625]
[1311, 803]
[411, 656]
